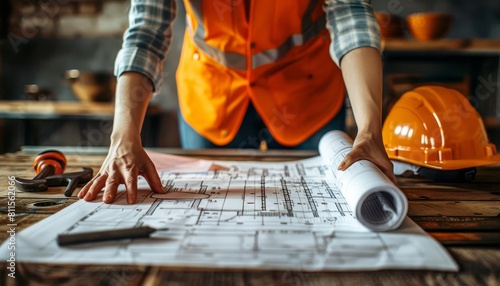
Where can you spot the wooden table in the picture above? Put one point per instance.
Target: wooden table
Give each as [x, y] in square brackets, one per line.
[463, 217]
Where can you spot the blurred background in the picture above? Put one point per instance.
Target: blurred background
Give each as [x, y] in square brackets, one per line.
[64, 50]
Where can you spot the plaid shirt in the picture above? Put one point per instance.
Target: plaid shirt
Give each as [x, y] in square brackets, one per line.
[146, 42]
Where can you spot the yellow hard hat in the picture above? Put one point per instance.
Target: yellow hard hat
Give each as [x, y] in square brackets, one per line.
[437, 127]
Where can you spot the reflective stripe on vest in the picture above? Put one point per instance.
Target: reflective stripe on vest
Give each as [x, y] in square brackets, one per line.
[238, 61]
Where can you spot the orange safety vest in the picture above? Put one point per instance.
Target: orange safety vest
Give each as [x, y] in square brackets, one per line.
[279, 59]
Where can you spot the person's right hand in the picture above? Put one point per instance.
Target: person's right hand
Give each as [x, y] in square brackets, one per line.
[126, 160]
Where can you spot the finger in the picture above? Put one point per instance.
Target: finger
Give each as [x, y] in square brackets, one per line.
[130, 179]
[112, 184]
[347, 162]
[83, 192]
[153, 179]
[85, 189]
[357, 153]
[95, 188]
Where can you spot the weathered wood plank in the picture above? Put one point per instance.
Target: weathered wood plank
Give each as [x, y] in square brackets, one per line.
[489, 182]
[23, 220]
[445, 193]
[37, 205]
[468, 238]
[458, 223]
[454, 208]
[35, 274]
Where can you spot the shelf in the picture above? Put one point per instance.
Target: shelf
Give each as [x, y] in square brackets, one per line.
[23, 109]
[481, 46]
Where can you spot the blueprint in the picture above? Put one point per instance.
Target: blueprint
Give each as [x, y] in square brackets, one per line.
[235, 215]
[377, 203]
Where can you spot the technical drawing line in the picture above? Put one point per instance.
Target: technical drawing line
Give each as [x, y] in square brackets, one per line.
[339, 208]
[153, 207]
[328, 189]
[224, 202]
[300, 169]
[309, 197]
[263, 192]
[286, 195]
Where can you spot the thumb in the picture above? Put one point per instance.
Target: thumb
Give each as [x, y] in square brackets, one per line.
[349, 160]
[346, 163]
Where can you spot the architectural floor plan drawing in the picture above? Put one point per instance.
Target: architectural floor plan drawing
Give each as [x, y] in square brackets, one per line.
[251, 215]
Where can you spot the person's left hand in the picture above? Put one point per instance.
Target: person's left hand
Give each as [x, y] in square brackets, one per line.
[369, 146]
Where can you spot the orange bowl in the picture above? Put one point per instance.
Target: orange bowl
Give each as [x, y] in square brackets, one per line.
[391, 26]
[428, 26]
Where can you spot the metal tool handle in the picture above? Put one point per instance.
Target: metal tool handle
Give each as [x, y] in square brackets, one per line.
[48, 170]
[70, 180]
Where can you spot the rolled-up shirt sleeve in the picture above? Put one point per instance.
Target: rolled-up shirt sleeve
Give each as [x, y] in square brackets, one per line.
[147, 39]
[352, 24]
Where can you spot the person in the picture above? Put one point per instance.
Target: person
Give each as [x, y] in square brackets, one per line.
[278, 68]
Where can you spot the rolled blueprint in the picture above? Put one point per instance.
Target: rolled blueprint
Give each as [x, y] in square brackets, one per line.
[375, 201]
